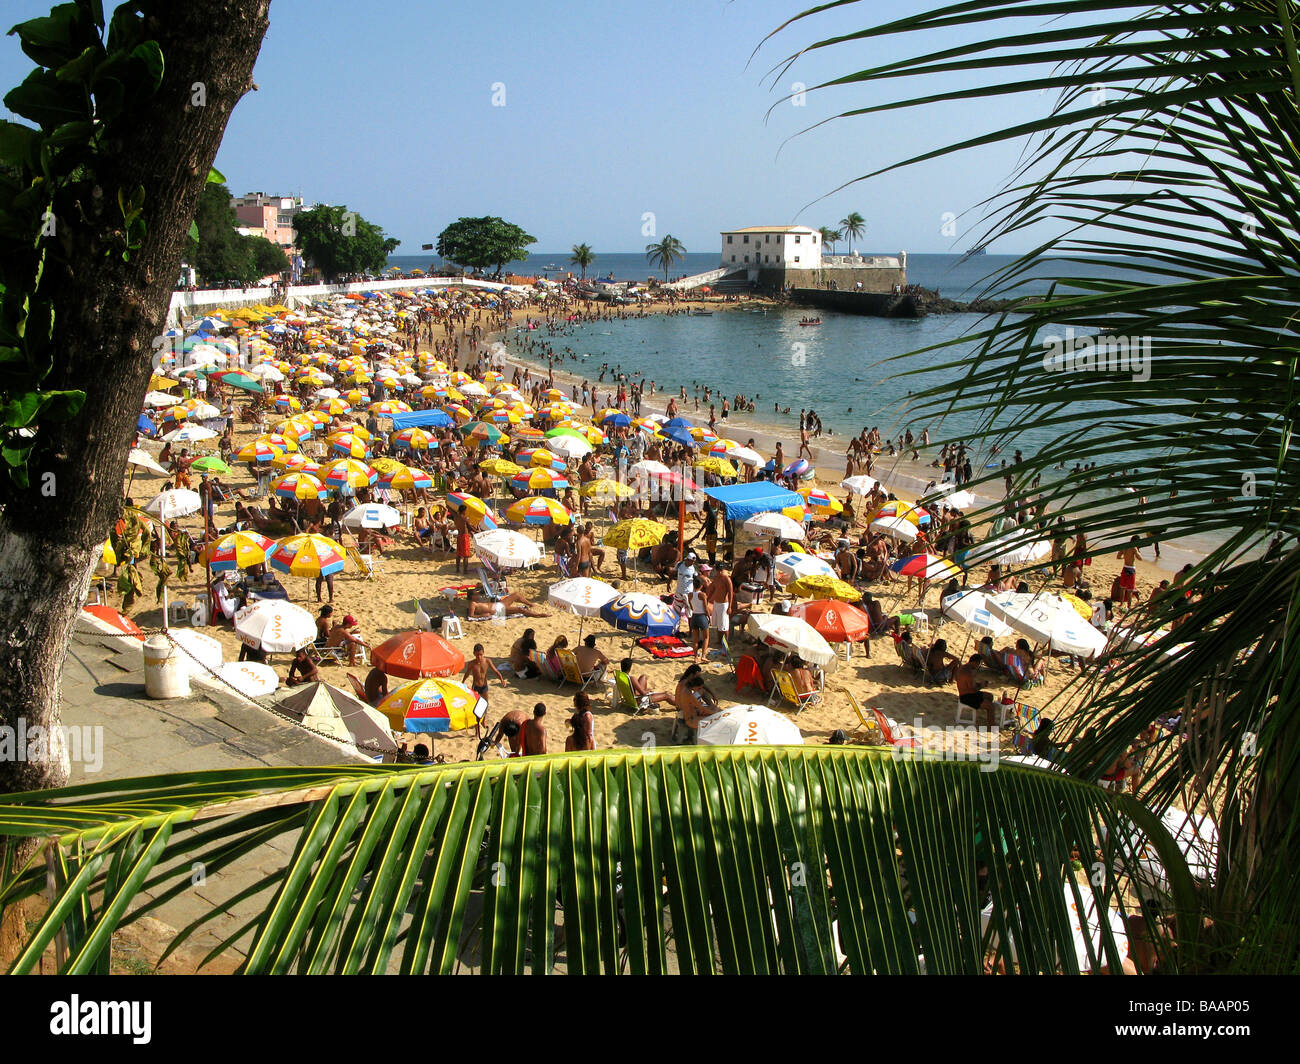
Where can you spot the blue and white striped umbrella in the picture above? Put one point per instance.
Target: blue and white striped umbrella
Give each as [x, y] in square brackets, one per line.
[636, 611]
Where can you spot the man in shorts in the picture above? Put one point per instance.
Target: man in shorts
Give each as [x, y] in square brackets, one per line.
[476, 670]
[1128, 575]
[463, 543]
[721, 596]
[969, 693]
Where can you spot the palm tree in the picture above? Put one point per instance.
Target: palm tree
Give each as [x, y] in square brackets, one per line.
[582, 257]
[851, 228]
[830, 237]
[665, 253]
[825, 857]
[1183, 152]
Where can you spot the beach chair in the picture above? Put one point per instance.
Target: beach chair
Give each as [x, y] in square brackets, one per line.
[891, 731]
[562, 564]
[494, 584]
[358, 688]
[367, 564]
[748, 674]
[907, 654]
[322, 655]
[1024, 724]
[990, 659]
[573, 674]
[1018, 669]
[724, 650]
[786, 689]
[543, 666]
[864, 722]
[625, 698]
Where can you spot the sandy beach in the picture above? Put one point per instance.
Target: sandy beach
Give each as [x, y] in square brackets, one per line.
[385, 605]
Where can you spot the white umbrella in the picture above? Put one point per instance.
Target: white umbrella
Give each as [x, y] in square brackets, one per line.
[250, 678]
[741, 725]
[791, 634]
[189, 433]
[895, 528]
[471, 388]
[971, 608]
[507, 548]
[203, 412]
[581, 595]
[326, 393]
[266, 372]
[160, 399]
[1014, 548]
[793, 566]
[648, 468]
[1196, 836]
[745, 455]
[174, 502]
[569, 446]
[276, 626]
[372, 515]
[144, 460]
[950, 495]
[1048, 618]
[774, 524]
[860, 485]
[1086, 927]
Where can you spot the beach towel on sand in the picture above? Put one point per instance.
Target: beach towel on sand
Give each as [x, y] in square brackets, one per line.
[665, 646]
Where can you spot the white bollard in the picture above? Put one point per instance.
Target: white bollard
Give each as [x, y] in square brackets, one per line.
[165, 674]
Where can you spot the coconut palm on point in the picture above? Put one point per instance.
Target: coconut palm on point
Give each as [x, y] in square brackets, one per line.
[851, 228]
[663, 254]
[582, 257]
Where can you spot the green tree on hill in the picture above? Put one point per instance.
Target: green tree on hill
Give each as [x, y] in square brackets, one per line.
[582, 257]
[337, 241]
[221, 253]
[482, 242]
[852, 228]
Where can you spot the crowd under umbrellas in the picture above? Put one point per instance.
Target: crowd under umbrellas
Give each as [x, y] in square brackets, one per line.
[327, 368]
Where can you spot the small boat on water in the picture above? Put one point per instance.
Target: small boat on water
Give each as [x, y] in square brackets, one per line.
[810, 321]
[701, 314]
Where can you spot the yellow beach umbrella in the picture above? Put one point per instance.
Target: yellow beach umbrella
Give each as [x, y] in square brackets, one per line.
[310, 554]
[634, 534]
[386, 465]
[606, 488]
[821, 586]
[499, 467]
[717, 466]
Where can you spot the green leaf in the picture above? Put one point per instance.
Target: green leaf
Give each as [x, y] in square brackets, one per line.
[80, 70]
[194, 231]
[215, 176]
[16, 144]
[52, 39]
[47, 101]
[149, 54]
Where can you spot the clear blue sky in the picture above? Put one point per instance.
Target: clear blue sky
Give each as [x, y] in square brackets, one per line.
[611, 109]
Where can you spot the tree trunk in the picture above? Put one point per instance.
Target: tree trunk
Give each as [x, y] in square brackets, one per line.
[108, 313]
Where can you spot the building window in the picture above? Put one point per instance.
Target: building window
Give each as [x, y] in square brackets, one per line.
[746, 258]
[733, 258]
[747, 241]
[730, 238]
[796, 239]
[796, 258]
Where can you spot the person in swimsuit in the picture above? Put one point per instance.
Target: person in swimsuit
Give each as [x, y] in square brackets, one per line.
[476, 669]
[463, 543]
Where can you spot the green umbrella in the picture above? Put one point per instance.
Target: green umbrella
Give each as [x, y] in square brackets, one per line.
[238, 379]
[481, 430]
[566, 432]
[211, 464]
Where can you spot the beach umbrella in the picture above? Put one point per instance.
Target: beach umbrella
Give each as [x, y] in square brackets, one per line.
[616, 419]
[636, 611]
[717, 466]
[898, 508]
[189, 433]
[144, 460]
[895, 528]
[266, 371]
[389, 407]
[294, 463]
[824, 587]
[1016, 547]
[210, 463]
[581, 595]
[347, 474]
[926, 567]
[742, 725]
[200, 409]
[1086, 918]
[538, 511]
[236, 550]
[1047, 618]
[333, 407]
[372, 515]
[414, 439]
[721, 445]
[648, 468]
[818, 500]
[500, 467]
[634, 534]
[570, 446]
[745, 456]
[1197, 838]
[860, 485]
[538, 480]
[527, 432]
[105, 619]
[407, 478]
[836, 622]
[793, 566]
[349, 445]
[174, 502]
[507, 548]
[484, 433]
[160, 399]
[604, 488]
[299, 485]
[386, 465]
[541, 458]
[276, 626]
[309, 554]
[175, 416]
[258, 450]
[791, 635]
[290, 402]
[433, 705]
[971, 609]
[774, 524]
[477, 512]
[284, 442]
[414, 655]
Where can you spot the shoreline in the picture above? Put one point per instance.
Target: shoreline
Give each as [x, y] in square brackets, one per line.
[901, 476]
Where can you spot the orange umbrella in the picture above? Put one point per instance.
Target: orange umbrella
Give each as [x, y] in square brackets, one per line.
[413, 655]
[836, 622]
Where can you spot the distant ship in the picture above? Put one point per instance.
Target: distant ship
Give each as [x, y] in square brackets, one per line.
[974, 252]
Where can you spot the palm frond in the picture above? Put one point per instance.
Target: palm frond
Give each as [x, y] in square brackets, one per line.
[693, 860]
